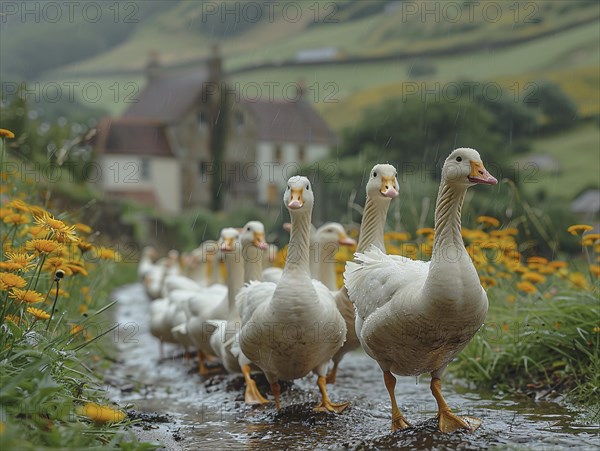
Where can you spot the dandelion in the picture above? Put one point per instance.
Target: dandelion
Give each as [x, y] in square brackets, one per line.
[595, 270]
[101, 414]
[27, 296]
[4, 133]
[43, 246]
[527, 287]
[533, 277]
[488, 221]
[18, 261]
[38, 313]
[579, 229]
[8, 281]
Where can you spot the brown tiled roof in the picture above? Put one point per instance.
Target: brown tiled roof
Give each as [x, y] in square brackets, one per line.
[297, 122]
[128, 136]
[168, 96]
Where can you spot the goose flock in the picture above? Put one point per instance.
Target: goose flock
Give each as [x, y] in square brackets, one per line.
[411, 317]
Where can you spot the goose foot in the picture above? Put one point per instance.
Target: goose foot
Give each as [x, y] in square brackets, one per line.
[326, 405]
[399, 422]
[449, 422]
[276, 389]
[330, 378]
[202, 370]
[252, 395]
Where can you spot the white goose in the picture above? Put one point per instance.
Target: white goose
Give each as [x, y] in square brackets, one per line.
[198, 259]
[154, 277]
[225, 340]
[212, 305]
[381, 188]
[414, 317]
[146, 262]
[292, 327]
[328, 239]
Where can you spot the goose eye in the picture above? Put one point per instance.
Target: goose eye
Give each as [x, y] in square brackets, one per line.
[248, 228]
[374, 174]
[307, 187]
[458, 158]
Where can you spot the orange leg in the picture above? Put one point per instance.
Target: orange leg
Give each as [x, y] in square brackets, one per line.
[331, 376]
[326, 405]
[398, 420]
[252, 396]
[276, 389]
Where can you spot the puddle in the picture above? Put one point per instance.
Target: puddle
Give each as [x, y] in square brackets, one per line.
[177, 407]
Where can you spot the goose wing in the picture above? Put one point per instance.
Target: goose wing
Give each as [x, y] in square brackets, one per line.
[375, 277]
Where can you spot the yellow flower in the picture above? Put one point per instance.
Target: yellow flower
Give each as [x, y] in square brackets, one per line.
[595, 270]
[527, 287]
[398, 236]
[578, 229]
[18, 204]
[18, 261]
[101, 414]
[38, 313]
[488, 220]
[83, 228]
[4, 133]
[590, 239]
[4, 212]
[487, 282]
[8, 281]
[557, 264]
[505, 327]
[546, 270]
[62, 232]
[77, 268]
[54, 263]
[16, 219]
[28, 296]
[43, 246]
[15, 319]
[504, 232]
[107, 254]
[425, 231]
[511, 298]
[83, 308]
[537, 260]
[84, 246]
[578, 280]
[533, 277]
[596, 330]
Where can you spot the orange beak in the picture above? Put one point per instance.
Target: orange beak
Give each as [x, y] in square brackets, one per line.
[296, 199]
[345, 240]
[227, 245]
[388, 187]
[479, 174]
[259, 241]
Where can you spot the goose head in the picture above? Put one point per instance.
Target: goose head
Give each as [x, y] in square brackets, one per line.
[383, 182]
[150, 253]
[464, 167]
[228, 238]
[298, 195]
[253, 233]
[333, 232]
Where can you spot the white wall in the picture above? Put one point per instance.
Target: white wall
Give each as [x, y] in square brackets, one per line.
[115, 173]
[290, 164]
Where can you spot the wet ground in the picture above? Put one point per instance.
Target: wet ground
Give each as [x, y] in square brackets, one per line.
[178, 408]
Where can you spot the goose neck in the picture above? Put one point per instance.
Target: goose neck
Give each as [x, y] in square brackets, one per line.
[235, 277]
[448, 242]
[372, 226]
[253, 257]
[327, 273]
[298, 259]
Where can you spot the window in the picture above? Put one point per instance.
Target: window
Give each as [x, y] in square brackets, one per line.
[278, 154]
[145, 169]
[301, 154]
[202, 120]
[273, 195]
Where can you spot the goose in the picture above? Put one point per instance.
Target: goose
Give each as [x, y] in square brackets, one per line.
[414, 317]
[146, 262]
[154, 277]
[225, 340]
[283, 325]
[207, 305]
[328, 239]
[198, 259]
[382, 187]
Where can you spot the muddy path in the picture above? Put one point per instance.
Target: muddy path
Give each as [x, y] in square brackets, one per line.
[181, 410]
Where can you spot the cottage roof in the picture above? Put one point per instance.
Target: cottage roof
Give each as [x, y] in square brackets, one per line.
[290, 121]
[587, 202]
[168, 96]
[133, 136]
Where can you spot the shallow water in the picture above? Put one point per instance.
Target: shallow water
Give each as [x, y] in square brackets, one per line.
[210, 414]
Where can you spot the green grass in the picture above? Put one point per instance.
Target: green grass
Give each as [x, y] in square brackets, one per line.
[576, 152]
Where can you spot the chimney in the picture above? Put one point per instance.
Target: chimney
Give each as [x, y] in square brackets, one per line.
[153, 67]
[215, 64]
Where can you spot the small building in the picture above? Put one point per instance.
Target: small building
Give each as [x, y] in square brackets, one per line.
[163, 150]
